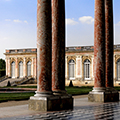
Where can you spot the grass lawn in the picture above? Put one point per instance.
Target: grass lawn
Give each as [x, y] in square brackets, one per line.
[78, 90]
[26, 96]
[15, 96]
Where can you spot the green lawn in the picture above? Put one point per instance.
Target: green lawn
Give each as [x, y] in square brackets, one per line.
[26, 96]
[78, 90]
[15, 96]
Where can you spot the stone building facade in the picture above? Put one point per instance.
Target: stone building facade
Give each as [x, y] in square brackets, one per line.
[79, 64]
[21, 63]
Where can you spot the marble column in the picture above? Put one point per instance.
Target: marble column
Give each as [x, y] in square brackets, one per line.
[109, 49]
[58, 54]
[32, 67]
[6, 66]
[58, 46]
[44, 100]
[98, 91]
[99, 45]
[109, 42]
[44, 48]
[9, 67]
[24, 68]
[35, 68]
[16, 67]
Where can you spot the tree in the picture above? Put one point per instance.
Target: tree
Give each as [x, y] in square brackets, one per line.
[2, 67]
[2, 64]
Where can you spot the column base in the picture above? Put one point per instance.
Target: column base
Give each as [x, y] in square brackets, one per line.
[52, 103]
[103, 96]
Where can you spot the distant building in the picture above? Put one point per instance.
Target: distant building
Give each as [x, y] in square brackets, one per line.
[21, 63]
[79, 64]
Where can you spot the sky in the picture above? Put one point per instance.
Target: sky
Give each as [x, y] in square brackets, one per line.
[18, 23]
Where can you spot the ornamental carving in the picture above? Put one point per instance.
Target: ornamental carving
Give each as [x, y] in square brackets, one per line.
[71, 57]
[20, 59]
[28, 59]
[86, 57]
[12, 60]
[117, 57]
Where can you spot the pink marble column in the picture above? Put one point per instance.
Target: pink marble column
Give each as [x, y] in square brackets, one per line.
[16, 68]
[6, 66]
[35, 66]
[44, 48]
[109, 42]
[58, 46]
[99, 45]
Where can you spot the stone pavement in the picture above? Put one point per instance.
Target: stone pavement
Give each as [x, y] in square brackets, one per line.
[83, 110]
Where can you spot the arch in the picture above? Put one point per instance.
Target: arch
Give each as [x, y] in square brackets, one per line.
[20, 60]
[87, 69]
[13, 69]
[118, 69]
[20, 69]
[29, 68]
[71, 69]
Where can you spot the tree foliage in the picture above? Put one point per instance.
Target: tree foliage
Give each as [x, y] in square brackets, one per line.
[2, 64]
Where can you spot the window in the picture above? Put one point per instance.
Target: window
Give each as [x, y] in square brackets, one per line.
[71, 69]
[13, 69]
[118, 69]
[20, 69]
[86, 69]
[29, 68]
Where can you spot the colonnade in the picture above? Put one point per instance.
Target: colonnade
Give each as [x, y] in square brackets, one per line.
[50, 94]
[103, 53]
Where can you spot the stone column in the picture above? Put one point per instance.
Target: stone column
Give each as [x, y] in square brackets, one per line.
[99, 45]
[6, 66]
[9, 68]
[44, 100]
[81, 68]
[58, 54]
[16, 66]
[97, 93]
[78, 62]
[92, 67]
[114, 68]
[109, 48]
[32, 67]
[43, 48]
[35, 68]
[24, 68]
[66, 76]
[109, 42]
[58, 46]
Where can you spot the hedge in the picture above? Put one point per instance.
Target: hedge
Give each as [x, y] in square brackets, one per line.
[2, 72]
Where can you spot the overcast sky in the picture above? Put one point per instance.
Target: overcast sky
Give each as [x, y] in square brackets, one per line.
[18, 23]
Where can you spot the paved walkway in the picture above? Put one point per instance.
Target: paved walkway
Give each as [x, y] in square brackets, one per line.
[83, 110]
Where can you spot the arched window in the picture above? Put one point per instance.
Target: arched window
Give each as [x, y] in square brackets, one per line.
[71, 69]
[28, 68]
[86, 69]
[13, 69]
[20, 69]
[118, 69]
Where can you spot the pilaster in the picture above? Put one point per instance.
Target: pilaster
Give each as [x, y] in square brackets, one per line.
[24, 67]
[16, 68]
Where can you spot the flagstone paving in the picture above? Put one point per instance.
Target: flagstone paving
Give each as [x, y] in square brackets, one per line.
[83, 110]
